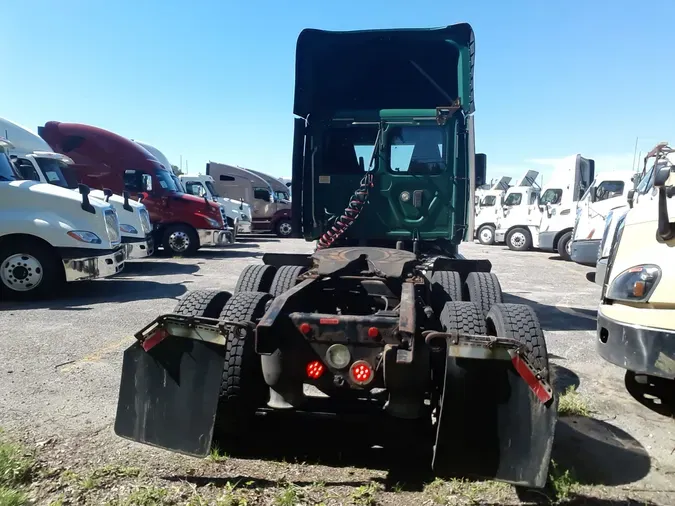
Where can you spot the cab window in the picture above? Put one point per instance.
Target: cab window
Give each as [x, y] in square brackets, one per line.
[488, 201]
[417, 149]
[262, 194]
[647, 181]
[514, 199]
[194, 188]
[551, 196]
[608, 189]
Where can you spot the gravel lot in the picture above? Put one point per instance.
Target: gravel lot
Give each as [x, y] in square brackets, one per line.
[61, 364]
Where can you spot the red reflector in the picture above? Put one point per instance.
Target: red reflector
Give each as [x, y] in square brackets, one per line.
[305, 328]
[315, 369]
[361, 372]
[539, 387]
[154, 339]
[373, 332]
[329, 321]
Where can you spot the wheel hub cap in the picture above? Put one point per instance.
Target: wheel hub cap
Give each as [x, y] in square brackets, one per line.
[21, 272]
[285, 228]
[518, 240]
[179, 241]
[568, 247]
[486, 235]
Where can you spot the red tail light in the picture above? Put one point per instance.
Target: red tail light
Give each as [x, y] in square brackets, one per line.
[373, 332]
[315, 369]
[361, 372]
[305, 328]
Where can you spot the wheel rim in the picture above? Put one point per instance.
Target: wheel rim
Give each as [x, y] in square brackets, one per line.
[518, 239]
[568, 248]
[486, 235]
[21, 272]
[285, 228]
[179, 241]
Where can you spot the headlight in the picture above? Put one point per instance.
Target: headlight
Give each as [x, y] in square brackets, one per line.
[635, 284]
[244, 217]
[128, 229]
[84, 236]
[212, 222]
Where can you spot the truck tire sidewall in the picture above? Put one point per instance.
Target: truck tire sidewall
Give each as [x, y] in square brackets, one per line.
[284, 228]
[174, 235]
[564, 245]
[519, 239]
[486, 229]
[52, 275]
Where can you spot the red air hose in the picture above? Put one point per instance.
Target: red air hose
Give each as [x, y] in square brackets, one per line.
[351, 212]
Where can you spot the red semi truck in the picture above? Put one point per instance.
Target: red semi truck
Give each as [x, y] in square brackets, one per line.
[181, 223]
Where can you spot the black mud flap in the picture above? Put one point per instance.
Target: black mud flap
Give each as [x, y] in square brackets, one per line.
[169, 394]
[492, 425]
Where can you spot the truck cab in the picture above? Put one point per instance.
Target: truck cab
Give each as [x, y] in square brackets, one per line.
[636, 316]
[558, 203]
[519, 213]
[35, 161]
[51, 235]
[489, 204]
[608, 191]
[268, 210]
[238, 212]
[102, 159]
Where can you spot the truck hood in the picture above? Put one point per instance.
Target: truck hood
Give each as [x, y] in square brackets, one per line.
[363, 70]
[50, 193]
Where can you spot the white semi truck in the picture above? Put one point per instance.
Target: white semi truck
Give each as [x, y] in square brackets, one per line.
[519, 213]
[202, 185]
[35, 161]
[608, 191]
[50, 235]
[489, 209]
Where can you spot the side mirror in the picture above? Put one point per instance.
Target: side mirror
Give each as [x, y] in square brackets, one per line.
[481, 169]
[86, 205]
[662, 176]
[108, 193]
[630, 196]
[666, 229]
[146, 182]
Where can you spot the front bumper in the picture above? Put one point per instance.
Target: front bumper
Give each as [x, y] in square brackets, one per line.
[600, 271]
[92, 267]
[214, 237]
[139, 247]
[244, 227]
[546, 240]
[585, 252]
[636, 348]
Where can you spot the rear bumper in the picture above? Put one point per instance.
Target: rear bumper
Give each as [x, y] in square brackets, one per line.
[586, 252]
[546, 240]
[214, 237]
[600, 271]
[139, 248]
[93, 267]
[643, 350]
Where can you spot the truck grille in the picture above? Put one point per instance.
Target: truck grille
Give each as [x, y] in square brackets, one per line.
[223, 215]
[112, 226]
[145, 221]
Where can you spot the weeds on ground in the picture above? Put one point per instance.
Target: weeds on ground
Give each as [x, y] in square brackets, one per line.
[217, 455]
[365, 495]
[289, 496]
[146, 496]
[16, 468]
[562, 482]
[12, 497]
[572, 404]
[230, 497]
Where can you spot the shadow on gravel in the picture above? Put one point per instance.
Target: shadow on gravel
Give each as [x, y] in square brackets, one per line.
[657, 394]
[224, 254]
[86, 293]
[563, 378]
[552, 318]
[163, 268]
[598, 453]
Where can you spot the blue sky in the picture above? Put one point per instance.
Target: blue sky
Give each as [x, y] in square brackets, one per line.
[213, 80]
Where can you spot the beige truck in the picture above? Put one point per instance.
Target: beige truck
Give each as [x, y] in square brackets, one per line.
[636, 316]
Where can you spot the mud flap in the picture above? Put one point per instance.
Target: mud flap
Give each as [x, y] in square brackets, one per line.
[492, 425]
[169, 394]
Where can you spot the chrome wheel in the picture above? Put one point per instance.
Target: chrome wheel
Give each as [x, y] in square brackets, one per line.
[486, 235]
[21, 272]
[179, 241]
[568, 248]
[285, 228]
[518, 240]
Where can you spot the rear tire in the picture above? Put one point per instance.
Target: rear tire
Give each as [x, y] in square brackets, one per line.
[486, 235]
[564, 246]
[206, 303]
[29, 270]
[180, 240]
[243, 388]
[285, 278]
[463, 317]
[446, 286]
[520, 322]
[519, 239]
[484, 290]
[255, 278]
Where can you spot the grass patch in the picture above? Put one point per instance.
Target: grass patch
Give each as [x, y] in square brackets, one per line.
[563, 483]
[12, 497]
[146, 496]
[447, 492]
[365, 495]
[572, 404]
[16, 468]
[217, 455]
[289, 496]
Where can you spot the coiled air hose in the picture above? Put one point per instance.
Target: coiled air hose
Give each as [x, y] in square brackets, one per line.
[351, 212]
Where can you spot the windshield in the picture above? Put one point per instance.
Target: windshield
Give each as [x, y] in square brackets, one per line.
[212, 189]
[551, 196]
[488, 201]
[166, 181]
[281, 196]
[417, 149]
[53, 171]
[6, 170]
[513, 199]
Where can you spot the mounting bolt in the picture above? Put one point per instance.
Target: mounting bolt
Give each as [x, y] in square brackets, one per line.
[339, 381]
